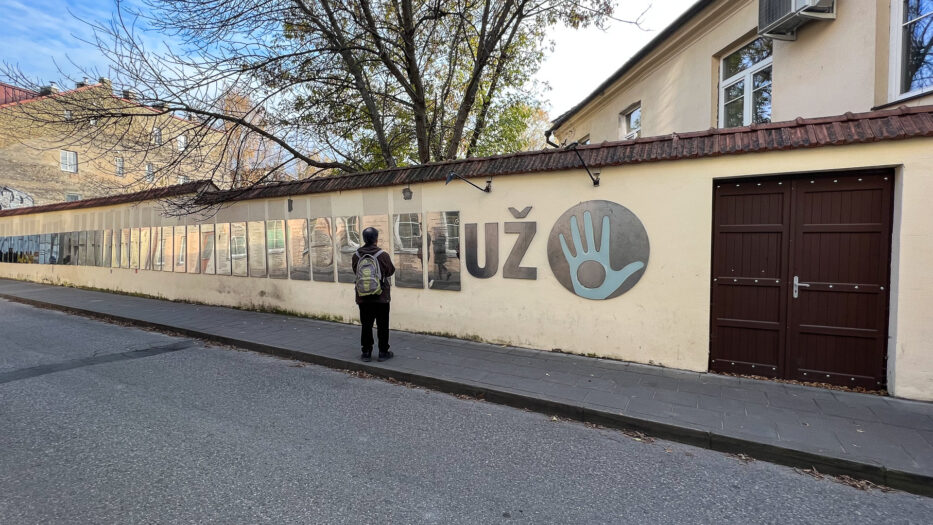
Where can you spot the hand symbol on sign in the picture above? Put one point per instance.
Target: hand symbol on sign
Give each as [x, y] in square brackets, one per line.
[613, 278]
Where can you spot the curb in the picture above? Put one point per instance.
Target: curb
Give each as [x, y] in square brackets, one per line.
[920, 484]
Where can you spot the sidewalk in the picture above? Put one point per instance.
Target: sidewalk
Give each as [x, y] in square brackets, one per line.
[882, 439]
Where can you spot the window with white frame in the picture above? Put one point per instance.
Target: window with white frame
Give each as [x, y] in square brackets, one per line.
[182, 142]
[630, 123]
[69, 161]
[912, 47]
[745, 85]
[71, 197]
[150, 173]
[157, 136]
[118, 166]
[182, 179]
[68, 114]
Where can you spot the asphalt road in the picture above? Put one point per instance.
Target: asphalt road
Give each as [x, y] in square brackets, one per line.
[101, 423]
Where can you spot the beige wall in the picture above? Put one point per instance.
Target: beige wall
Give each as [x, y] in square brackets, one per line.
[833, 67]
[32, 135]
[663, 320]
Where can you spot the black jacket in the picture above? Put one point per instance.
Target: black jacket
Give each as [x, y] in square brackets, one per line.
[385, 264]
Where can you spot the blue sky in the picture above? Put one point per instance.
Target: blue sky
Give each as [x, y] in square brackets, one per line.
[38, 34]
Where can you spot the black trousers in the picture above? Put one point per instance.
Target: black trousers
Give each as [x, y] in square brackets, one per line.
[378, 312]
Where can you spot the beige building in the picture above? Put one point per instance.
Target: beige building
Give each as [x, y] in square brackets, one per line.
[87, 142]
[712, 69]
[797, 248]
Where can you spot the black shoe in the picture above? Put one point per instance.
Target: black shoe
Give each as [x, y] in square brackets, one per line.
[367, 357]
[384, 356]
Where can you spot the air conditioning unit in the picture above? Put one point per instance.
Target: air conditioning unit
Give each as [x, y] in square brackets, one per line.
[780, 18]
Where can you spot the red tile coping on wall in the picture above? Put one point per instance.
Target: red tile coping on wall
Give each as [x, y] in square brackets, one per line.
[850, 128]
[901, 123]
[188, 188]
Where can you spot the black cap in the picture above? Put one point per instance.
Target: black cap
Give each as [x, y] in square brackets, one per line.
[370, 235]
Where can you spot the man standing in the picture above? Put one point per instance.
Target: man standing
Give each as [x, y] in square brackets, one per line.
[373, 267]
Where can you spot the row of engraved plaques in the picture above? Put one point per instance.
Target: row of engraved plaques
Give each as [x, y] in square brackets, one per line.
[303, 249]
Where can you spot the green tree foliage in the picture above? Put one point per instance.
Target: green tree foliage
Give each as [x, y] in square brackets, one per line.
[348, 85]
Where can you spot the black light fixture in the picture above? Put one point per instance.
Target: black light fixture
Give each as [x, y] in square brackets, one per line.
[593, 177]
[290, 205]
[453, 175]
[406, 193]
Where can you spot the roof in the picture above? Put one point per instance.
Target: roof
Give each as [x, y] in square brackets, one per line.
[10, 93]
[668, 31]
[187, 188]
[850, 128]
[36, 97]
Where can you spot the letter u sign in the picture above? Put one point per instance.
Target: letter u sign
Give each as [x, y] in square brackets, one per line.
[512, 268]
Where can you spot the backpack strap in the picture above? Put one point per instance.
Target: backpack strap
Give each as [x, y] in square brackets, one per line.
[377, 254]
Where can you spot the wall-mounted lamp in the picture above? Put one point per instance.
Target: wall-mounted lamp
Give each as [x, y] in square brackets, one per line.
[452, 175]
[290, 205]
[406, 193]
[594, 175]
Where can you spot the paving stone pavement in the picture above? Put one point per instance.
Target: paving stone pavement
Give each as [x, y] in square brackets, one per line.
[883, 439]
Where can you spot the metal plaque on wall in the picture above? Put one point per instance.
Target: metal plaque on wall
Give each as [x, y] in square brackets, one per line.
[407, 243]
[99, 248]
[145, 249]
[299, 250]
[346, 240]
[168, 249]
[134, 248]
[156, 252]
[256, 248]
[222, 248]
[125, 237]
[115, 249]
[207, 249]
[82, 248]
[238, 249]
[443, 250]
[322, 250]
[193, 248]
[598, 249]
[275, 249]
[181, 248]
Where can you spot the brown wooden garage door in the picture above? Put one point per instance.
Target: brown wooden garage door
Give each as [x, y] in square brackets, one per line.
[829, 233]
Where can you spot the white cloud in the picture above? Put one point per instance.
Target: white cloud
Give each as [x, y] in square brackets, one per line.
[582, 59]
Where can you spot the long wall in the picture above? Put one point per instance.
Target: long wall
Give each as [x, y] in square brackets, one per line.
[663, 319]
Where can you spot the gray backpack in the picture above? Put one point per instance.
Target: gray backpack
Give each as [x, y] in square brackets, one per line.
[368, 274]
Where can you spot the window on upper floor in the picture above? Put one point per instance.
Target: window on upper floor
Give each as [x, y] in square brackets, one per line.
[182, 179]
[68, 114]
[68, 161]
[150, 173]
[157, 136]
[630, 123]
[118, 166]
[912, 47]
[745, 85]
[71, 197]
[182, 142]
[584, 141]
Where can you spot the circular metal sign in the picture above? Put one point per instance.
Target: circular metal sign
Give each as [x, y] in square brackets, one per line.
[598, 249]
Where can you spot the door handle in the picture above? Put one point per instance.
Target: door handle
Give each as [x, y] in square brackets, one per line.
[797, 285]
